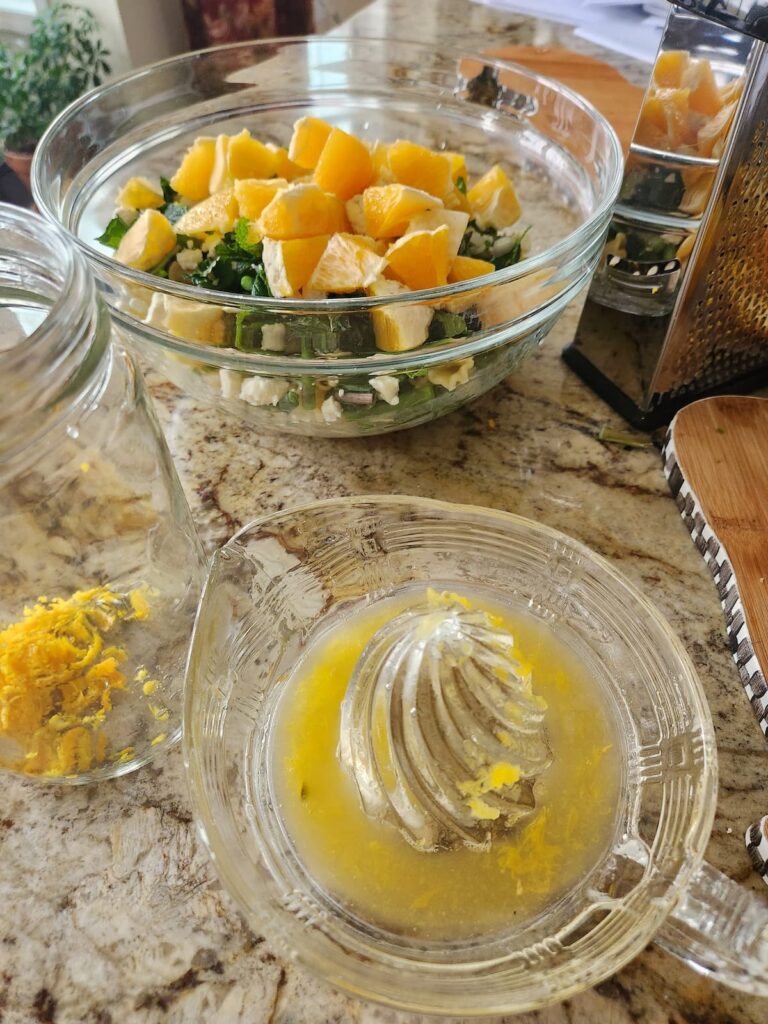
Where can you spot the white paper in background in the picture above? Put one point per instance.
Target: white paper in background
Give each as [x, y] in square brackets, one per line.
[624, 30]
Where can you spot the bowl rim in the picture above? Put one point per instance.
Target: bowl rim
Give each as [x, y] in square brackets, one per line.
[337, 305]
[699, 828]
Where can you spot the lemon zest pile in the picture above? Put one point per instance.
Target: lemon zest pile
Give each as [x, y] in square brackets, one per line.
[57, 677]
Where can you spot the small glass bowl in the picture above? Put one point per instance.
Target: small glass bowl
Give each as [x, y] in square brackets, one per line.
[564, 157]
[282, 580]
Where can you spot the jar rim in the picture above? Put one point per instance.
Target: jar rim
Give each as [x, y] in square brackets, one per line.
[52, 367]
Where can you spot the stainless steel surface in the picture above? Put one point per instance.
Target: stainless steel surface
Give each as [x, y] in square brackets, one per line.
[658, 332]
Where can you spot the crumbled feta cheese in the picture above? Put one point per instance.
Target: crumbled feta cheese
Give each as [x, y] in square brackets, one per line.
[127, 214]
[189, 259]
[229, 382]
[263, 390]
[331, 410]
[386, 387]
[450, 375]
[273, 337]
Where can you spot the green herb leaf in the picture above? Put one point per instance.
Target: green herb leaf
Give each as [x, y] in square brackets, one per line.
[113, 233]
[241, 237]
[461, 185]
[446, 325]
[169, 195]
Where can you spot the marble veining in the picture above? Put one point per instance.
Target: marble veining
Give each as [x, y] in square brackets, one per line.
[110, 911]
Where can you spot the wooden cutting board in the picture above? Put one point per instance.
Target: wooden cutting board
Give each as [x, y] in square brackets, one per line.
[716, 462]
[616, 98]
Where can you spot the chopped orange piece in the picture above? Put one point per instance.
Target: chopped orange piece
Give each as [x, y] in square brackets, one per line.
[220, 176]
[421, 168]
[420, 259]
[380, 159]
[192, 178]
[680, 129]
[285, 167]
[705, 95]
[289, 264]
[253, 194]
[463, 268]
[385, 210]
[712, 134]
[140, 194]
[249, 158]
[652, 123]
[669, 68]
[455, 221]
[458, 166]
[493, 200]
[216, 213]
[345, 166]
[147, 242]
[302, 211]
[306, 145]
[349, 263]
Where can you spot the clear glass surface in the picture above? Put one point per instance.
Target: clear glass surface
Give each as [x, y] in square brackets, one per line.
[564, 157]
[88, 499]
[283, 579]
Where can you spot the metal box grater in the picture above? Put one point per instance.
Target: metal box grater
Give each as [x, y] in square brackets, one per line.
[678, 307]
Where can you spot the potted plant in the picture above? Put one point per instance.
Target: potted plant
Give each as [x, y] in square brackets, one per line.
[62, 58]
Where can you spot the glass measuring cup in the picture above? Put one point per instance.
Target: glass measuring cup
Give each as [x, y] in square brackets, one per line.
[282, 578]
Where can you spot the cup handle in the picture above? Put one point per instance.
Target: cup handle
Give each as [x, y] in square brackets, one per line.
[721, 929]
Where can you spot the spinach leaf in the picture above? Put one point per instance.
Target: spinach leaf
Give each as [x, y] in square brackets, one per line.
[113, 233]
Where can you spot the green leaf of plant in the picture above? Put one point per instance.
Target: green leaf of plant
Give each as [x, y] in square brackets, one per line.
[113, 233]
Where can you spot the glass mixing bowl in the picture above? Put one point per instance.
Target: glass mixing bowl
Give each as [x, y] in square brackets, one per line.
[283, 579]
[563, 156]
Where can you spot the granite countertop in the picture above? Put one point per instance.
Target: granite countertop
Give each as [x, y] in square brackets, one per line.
[111, 912]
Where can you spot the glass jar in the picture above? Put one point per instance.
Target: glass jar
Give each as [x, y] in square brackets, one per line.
[100, 564]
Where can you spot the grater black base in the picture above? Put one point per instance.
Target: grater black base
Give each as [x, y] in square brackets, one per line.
[664, 407]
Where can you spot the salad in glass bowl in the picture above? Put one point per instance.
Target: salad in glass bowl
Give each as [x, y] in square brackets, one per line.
[333, 237]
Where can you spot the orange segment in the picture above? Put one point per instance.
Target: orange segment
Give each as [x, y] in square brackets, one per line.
[669, 68]
[249, 158]
[344, 166]
[148, 241]
[652, 123]
[680, 129]
[463, 268]
[420, 168]
[289, 265]
[349, 263]
[705, 95]
[220, 176]
[253, 194]
[194, 174]
[385, 210]
[420, 259]
[140, 194]
[216, 213]
[306, 145]
[454, 220]
[284, 166]
[493, 200]
[302, 211]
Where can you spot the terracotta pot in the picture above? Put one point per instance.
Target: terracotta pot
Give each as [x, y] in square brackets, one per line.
[20, 164]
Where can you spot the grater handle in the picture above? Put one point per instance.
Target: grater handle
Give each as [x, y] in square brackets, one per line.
[721, 929]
